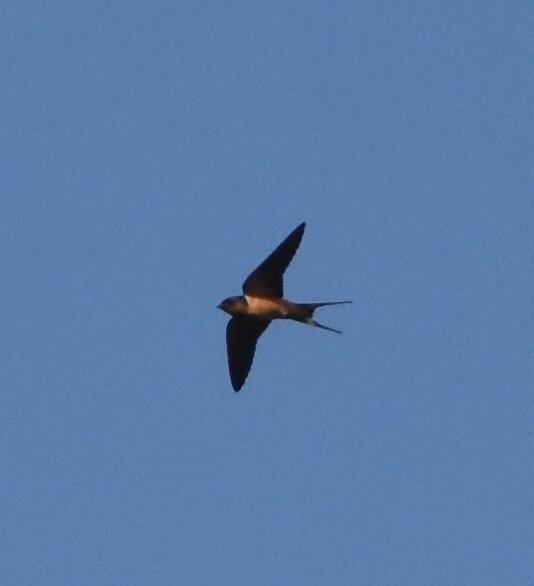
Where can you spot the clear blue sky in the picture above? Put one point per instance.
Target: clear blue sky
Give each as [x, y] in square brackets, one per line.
[152, 154]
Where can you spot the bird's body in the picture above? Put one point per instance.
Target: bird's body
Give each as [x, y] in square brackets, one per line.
[266, 308]
[261, 303]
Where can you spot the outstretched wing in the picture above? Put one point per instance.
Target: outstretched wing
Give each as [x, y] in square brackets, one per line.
[242, 333]
[267, 279]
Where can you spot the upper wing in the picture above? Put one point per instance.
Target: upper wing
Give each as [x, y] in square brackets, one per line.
[242, 333]
[267, 278]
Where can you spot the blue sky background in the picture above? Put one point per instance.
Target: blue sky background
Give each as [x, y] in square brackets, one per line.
[152, 154]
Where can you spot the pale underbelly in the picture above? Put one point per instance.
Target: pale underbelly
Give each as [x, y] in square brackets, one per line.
[269, 308]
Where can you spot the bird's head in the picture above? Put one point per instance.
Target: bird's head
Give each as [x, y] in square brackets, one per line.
[232, 305]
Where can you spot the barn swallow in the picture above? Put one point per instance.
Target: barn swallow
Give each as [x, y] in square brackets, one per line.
[263, 301]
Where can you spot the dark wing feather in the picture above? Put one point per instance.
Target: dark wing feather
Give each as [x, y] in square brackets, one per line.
[242, 333]
[267, 279]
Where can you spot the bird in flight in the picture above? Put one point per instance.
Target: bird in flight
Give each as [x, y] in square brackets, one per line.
[263, 301]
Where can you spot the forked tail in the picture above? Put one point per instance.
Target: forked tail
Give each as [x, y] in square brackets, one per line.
[311, 307]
